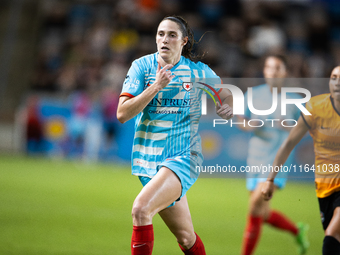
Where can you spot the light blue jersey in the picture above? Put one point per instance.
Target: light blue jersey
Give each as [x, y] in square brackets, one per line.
[167, 128]
[265, 141]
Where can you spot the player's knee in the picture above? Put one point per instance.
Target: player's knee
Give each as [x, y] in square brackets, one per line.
[186, 239]
[140, 212]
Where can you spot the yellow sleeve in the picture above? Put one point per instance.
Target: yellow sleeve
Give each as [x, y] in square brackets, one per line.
[309, 119]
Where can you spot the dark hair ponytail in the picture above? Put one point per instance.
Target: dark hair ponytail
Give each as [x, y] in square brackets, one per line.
[186, 31]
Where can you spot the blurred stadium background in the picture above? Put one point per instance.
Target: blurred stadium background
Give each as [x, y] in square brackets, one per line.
[62, 64]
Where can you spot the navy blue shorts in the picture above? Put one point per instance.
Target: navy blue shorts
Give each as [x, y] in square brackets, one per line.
[327, 206]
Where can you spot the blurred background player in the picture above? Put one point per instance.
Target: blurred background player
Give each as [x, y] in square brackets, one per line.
[324, 127]
[162, 158]
[263, 145]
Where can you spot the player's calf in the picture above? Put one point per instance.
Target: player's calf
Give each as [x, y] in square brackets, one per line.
[142, 240]
[186, 239]
[196, 249]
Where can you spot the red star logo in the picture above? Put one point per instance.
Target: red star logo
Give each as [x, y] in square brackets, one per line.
[187, 85]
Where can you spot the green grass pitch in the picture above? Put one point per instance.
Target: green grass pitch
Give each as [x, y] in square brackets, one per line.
[60, 207]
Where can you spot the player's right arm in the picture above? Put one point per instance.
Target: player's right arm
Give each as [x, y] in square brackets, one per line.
[288, 145]
[129, 107]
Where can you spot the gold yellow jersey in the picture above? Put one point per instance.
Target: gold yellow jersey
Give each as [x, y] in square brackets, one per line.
[324, 127]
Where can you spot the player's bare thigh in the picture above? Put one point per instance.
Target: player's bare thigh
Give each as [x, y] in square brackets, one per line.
[162, 190]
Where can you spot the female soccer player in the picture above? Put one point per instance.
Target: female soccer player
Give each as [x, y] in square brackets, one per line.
[263, 145]
[324, 127]
[166, 148]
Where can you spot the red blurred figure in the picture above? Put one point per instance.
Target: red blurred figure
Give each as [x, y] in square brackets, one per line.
[34, 127]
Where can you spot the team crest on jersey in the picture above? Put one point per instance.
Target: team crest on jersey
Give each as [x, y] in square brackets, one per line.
[187, 86]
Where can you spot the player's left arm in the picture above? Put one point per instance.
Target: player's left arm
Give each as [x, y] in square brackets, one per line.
[225, 111]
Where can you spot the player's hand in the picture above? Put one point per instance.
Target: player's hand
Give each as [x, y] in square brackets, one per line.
[268, 190]
[224, 111]
[163, 76]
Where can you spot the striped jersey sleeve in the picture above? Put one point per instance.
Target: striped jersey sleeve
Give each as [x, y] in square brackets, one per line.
[134, 81]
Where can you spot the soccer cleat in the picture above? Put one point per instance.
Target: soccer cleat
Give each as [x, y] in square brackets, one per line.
[302, 238]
